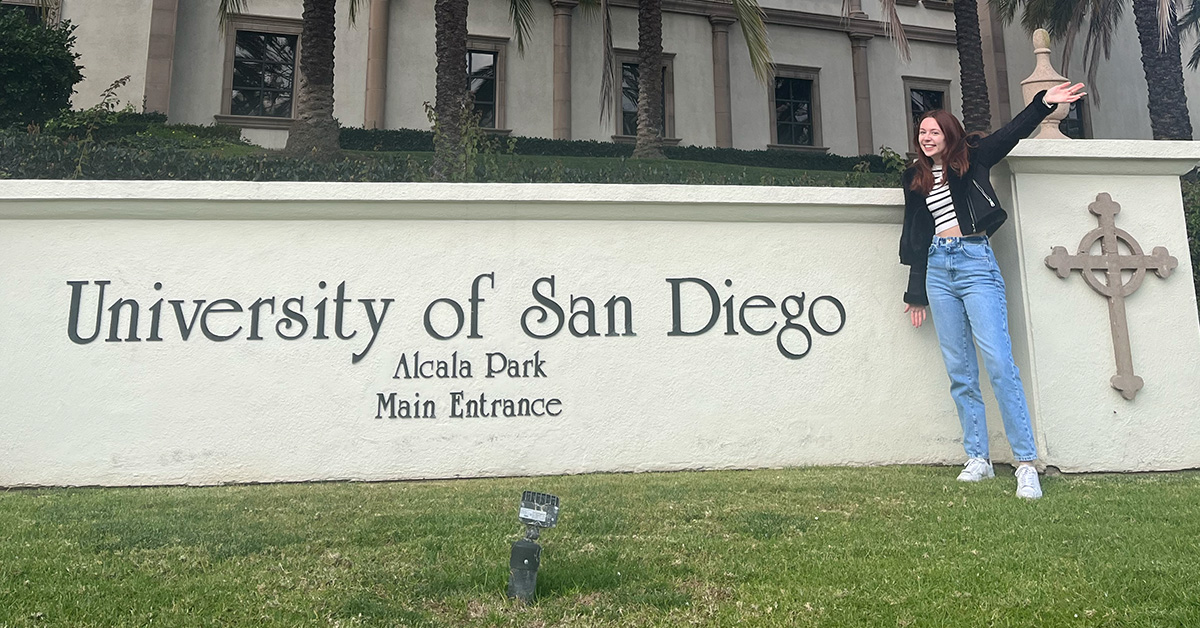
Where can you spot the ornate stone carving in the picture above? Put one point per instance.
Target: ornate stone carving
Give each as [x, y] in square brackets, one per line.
[1044, 77]
[1112, 261]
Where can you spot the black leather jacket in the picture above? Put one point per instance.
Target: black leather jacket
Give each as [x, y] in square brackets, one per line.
[975, 202]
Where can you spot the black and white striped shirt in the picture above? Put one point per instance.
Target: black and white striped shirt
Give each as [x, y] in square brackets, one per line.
[940, 203]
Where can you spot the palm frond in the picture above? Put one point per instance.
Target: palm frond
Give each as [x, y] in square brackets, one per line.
[1167, 10]
[893, 28]
[1006, 9]
[354, 9]
[1103, 18]
[227, 8]
[754, 31]
[521, 15]
[1190, 21]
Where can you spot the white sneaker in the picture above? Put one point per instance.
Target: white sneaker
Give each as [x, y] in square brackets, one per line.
[977, 469]
[1028, 485]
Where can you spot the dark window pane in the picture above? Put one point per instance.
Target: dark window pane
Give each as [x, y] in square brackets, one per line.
[250, 45]
[629, 89]
[804, 135]
[281, 106]
[481, 83]
[800, 113]
[484, 91]
[33, 15]
[629, 123]
[280, 49]
[247, 74]
[487, 115]
[244, 103]
[483, 63]
[1072, 126]
[783, 111]
[279, 80]
[802, 90]
[629, 99]
[923, 100]
[263, 74]
[793, 111]
[785, 134]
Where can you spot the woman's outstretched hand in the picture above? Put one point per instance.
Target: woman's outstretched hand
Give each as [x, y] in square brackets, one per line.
[916, 312]
[1064, 93]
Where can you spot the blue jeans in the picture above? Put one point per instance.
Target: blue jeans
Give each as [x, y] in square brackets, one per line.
[966, 300]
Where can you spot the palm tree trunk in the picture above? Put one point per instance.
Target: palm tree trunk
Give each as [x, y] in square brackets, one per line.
[1169, 118]
[650, 93]
[315, 131]
[450, 19]
[977, 110]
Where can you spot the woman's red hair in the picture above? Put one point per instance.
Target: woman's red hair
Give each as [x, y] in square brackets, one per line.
[955, 152]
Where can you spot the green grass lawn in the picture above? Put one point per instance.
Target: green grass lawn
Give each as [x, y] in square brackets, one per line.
[902, 546]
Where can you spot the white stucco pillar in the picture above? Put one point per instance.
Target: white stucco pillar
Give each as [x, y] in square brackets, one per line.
[562, 67]
[862, 92]
[377, 49]
[1063, 335]
[722, 99]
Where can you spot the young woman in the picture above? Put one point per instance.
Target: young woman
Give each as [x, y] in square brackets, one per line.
[950, 209]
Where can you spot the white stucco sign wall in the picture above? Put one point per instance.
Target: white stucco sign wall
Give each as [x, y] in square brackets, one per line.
[161, 333]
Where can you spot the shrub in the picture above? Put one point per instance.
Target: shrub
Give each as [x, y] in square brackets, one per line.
[25, 156]
[412, 140]
[37, 70]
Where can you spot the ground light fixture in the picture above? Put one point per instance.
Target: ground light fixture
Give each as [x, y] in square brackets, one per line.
[537, 511]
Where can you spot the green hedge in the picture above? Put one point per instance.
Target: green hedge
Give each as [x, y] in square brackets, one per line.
[400, 140]
[24, 156]
[107, 127]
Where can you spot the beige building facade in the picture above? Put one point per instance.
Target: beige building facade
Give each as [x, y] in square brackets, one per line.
[839, 85]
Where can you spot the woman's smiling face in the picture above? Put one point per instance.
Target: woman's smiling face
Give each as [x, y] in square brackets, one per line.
[931, 139]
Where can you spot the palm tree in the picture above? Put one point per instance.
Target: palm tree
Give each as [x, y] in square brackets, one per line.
[450, 24]
[1161, 61]
[314, 131]
[451, 110]
[650, 88]
[977, 111]
[650, 125]
[1157, 33]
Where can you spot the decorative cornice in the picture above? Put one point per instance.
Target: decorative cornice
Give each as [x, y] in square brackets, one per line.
[803, 19]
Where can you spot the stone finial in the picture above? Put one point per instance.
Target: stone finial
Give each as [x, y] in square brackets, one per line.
[1044, 77]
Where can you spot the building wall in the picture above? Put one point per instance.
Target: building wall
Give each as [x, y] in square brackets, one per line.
[1118, 99]
[199, 67]
[200, 59]
[113, 40]
[1117, 106]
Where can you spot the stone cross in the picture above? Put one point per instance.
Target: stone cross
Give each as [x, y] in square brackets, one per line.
[1113, 262]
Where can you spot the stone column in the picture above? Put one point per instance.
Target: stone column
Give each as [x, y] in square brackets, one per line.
[562, 67]
[161, 56]
[856, 10]
[377, 52]
[862, 92]
[1063, 329]
[722, 100]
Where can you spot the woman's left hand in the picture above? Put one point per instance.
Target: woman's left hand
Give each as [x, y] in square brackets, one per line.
[1065, 92]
